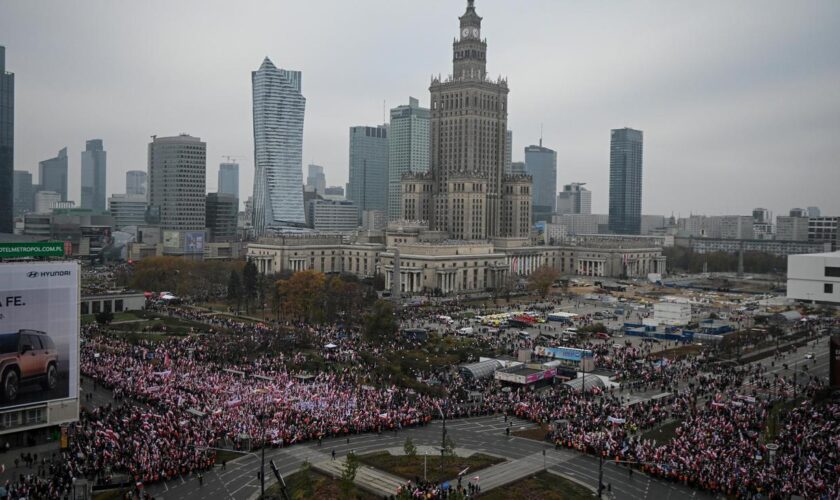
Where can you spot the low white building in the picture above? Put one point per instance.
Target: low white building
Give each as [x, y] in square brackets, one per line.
[672, 313]
[814, 277]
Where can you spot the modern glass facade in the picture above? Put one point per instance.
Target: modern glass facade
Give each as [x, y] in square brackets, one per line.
[278, 108]
[7, 144]
[408, 149]
[368, 185]
[24, 192]
[93, 175]
[52, 174]
[626, 181]
[229, 179]
[541, 165]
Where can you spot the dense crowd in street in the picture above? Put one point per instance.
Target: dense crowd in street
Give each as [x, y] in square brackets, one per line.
[177, 398]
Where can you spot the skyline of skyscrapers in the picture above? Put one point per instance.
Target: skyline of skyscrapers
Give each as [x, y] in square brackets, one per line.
[228, 182]
[94, 175]
[52, 174]
[541, 165]
[625, 205]
[7, 145]
[278, 110]
[177, 181]
[368, 167]
[408, 149]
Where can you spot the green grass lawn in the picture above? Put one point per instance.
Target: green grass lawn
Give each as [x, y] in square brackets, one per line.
[308, 484]
[543, 485]
[412, 467]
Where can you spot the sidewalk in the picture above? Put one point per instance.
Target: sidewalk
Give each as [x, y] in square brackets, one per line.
[7, 459]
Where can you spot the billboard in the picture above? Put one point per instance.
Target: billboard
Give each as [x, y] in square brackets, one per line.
[564, 353]
[39, 332]
[194, 242]
[172, 239]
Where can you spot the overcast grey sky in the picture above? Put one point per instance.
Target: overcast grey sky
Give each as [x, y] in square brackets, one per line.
[739, 100]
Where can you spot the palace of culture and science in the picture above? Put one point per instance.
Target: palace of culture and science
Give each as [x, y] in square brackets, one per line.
[465, 223]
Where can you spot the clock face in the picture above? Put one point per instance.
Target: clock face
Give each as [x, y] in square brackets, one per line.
[466, 32]
[475, 32]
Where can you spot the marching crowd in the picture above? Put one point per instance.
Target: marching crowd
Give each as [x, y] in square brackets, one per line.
[175, 399]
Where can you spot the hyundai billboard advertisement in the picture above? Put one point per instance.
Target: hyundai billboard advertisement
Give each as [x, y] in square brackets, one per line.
[39, 332]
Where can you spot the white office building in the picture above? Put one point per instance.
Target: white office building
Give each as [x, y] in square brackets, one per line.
[278, 108]
[177, 181]
[814, 277]
[127, 210]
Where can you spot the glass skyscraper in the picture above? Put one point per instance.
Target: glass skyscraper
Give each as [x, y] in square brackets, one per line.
[626, 181]
[93, 175]
[7, 144]
[541, 165]
[52, 174]
[368, 185]
[229, 179]
[278, 107]
[408, 149]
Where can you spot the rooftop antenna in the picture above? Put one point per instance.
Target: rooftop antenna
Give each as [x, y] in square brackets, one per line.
[383, 111]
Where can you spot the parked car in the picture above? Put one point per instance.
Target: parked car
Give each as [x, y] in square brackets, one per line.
[26, 355]
[601, 335]
[809, 355]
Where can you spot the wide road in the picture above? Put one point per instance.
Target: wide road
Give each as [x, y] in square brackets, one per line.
[484, 434]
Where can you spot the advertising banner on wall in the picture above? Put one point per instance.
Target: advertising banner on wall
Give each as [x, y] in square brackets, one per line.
[172, 239]
[39, 332]
[194, 242]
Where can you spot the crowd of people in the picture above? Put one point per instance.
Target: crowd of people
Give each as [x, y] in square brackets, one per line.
[178, 398]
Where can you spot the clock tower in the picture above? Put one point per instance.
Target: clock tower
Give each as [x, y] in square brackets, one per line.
[469, 52]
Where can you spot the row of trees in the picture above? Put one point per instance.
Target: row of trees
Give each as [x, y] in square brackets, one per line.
[686, 260]
[199, 279]
[309, 295]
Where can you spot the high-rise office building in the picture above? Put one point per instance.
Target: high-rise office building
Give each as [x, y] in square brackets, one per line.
[791, 228]
[7, 145]
[408, 149]
[814, 212]
[541, 165]
[94, 175]
[52, 174]
[278, 108]
[316, 181]
[24, 193]
[177, 181]
[368, 186]
[135, 182]
[761, 216]
[626, 181]
[574, 199]
[334, 191]
[333, 216]
[222, 214]
[466, 192]
[517, 168]
[127, 210]
[799, 212]
[45, 201]
[229, 179]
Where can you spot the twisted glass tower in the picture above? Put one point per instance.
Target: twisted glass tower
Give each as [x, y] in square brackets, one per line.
[278, 108]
